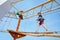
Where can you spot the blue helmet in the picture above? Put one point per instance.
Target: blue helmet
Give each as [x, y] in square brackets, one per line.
[40, 15]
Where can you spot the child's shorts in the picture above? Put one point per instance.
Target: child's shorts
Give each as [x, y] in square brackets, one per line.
[41, 22]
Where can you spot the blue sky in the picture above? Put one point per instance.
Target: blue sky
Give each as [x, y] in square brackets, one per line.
[52, 21]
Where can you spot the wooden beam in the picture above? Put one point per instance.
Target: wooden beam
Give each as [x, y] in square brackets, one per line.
[38, 6]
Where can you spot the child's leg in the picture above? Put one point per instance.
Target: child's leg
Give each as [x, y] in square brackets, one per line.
[37, 28]
[44, 27]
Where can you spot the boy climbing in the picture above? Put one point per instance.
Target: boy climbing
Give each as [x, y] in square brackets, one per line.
[20, 14]
[41, 22]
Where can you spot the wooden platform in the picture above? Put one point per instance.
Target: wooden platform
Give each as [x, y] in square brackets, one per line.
[16, 35]
[37, 34]
[26, 33]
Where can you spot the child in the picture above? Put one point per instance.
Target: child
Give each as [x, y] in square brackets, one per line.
[20, 14]
[41, 22]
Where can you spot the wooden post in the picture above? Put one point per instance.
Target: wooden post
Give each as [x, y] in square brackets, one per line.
[14, 38]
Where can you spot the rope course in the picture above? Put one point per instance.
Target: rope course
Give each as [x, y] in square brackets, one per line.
[41, 5]
[17, 35]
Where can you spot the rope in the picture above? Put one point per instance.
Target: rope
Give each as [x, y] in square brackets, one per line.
[57, 2]
[51, 5]
[3, 31]
[37, 6]
[16, 1]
